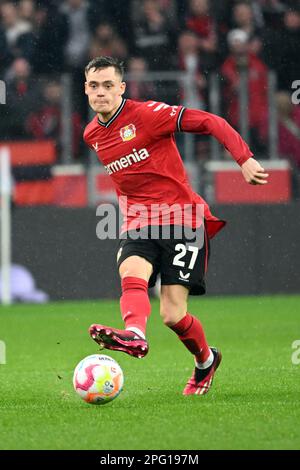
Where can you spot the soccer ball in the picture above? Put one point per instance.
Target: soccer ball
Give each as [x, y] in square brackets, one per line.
[98, 379]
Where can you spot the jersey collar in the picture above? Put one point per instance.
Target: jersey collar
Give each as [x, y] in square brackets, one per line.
[108, 123]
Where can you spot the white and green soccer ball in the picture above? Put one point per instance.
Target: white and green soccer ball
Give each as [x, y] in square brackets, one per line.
[98, 379]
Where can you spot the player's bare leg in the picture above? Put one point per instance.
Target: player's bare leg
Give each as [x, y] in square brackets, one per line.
[173, 309]
[173, 303]
[135, 272]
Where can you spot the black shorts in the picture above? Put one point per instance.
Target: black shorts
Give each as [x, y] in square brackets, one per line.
[179, 259]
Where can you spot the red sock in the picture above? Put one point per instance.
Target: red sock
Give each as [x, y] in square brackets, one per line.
[135, 304]
[191, 333]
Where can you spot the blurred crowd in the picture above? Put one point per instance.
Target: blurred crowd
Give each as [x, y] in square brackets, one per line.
[40, 40]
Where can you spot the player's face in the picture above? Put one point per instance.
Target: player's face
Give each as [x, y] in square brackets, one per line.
[104, 89]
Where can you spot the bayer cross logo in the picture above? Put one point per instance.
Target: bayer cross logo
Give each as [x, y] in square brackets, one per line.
[128, 132]
[2, 92]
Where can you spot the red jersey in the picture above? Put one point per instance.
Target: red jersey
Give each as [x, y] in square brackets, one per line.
[138, 150]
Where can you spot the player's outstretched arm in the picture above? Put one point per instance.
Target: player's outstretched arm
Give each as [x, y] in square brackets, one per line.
[253, 172]
[194, 120]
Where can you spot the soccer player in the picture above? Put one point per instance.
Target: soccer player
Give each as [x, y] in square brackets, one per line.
[135, 143]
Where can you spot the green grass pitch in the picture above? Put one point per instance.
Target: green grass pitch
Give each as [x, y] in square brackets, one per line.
[254, 402]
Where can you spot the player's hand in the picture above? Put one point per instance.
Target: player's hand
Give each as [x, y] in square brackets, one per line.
[253, 172]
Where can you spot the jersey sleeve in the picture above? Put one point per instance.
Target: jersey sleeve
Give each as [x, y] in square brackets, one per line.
[201, 122]
[86, 138]
[161, 119]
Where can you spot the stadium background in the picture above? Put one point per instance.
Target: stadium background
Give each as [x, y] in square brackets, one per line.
[237, 59]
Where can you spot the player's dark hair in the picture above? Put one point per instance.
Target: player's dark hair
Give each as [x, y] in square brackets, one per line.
[105, 61]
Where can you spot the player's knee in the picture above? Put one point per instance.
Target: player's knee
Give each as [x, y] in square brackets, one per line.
[135, 267]
[172, 314]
